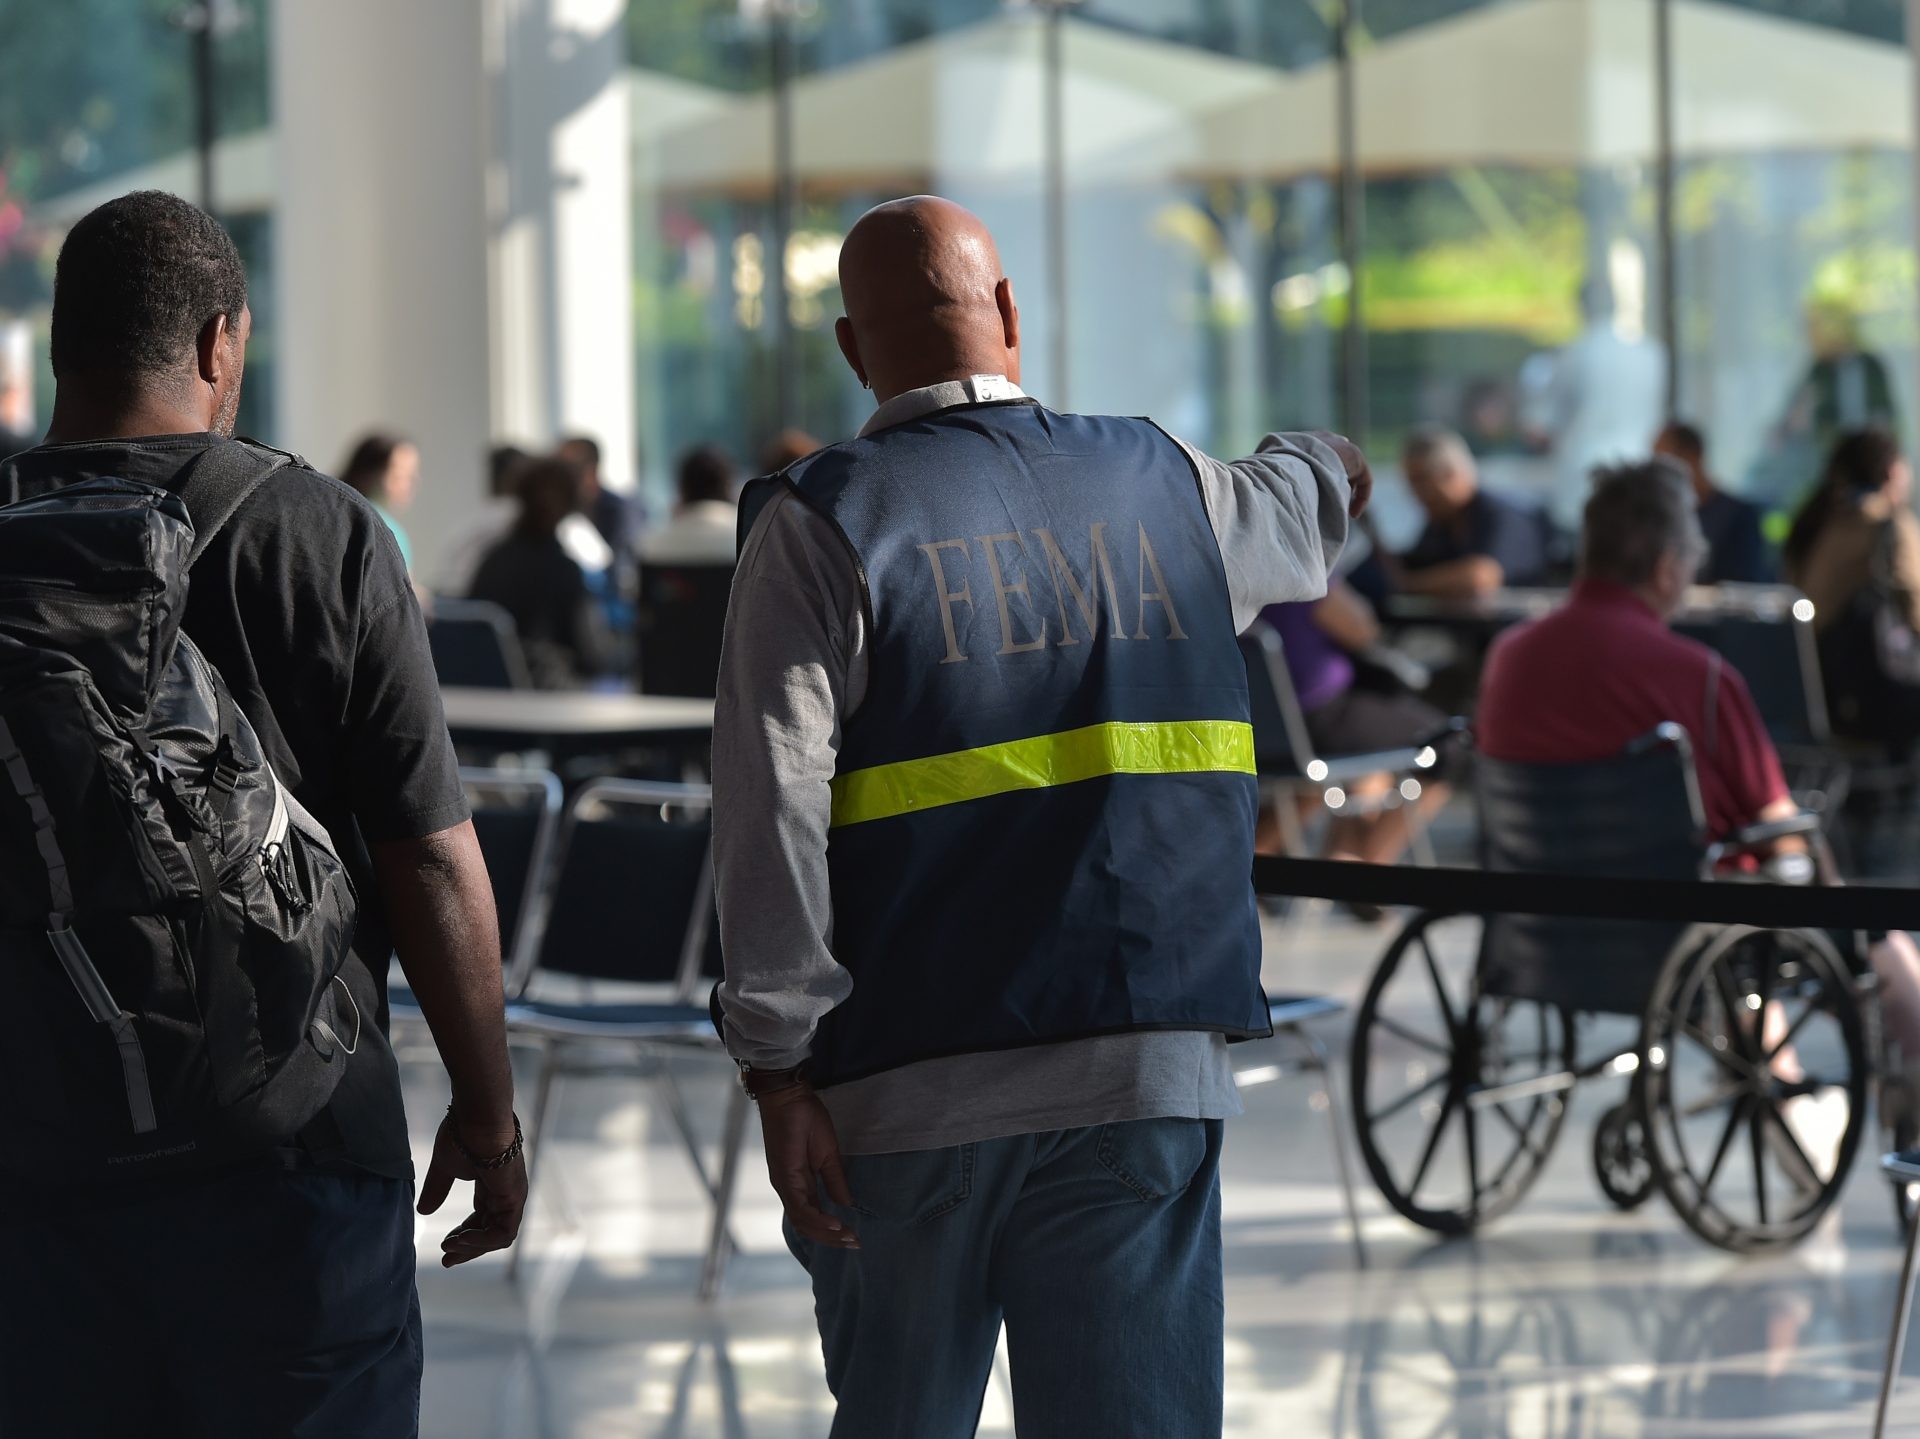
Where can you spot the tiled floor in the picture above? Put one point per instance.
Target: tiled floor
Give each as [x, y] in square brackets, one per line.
[1563, 1319]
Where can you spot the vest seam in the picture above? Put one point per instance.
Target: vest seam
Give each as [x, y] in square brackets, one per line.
[853, 554]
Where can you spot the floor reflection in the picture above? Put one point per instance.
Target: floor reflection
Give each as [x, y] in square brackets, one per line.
[1564, 1320]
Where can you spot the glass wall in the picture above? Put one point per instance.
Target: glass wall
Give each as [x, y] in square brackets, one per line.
[1510, 249]
[1167, 179]
[101, 96]
[1793, 230]
[1162, 263]
[1232, 214]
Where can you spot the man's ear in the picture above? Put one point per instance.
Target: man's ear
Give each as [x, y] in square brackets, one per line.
[1009, 314]
[850, 347]
[214, 349]
[1670, 574]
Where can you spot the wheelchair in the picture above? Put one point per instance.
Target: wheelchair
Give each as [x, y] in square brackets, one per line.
[1746, 1085]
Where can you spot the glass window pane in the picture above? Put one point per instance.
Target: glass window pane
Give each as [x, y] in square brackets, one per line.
[1794, 233]
[1201, 228]
[1507, 276]
[98, 97]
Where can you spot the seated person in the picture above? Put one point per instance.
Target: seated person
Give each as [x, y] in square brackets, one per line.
[1347, 712]
[1475, 542]
[530, 574]
[386, 469]
[1586, 681]
[702, 530]
[485, 522]
[618, 518]
[1737, 549]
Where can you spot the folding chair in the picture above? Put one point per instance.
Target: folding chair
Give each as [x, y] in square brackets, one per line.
[474, 644]
[632, 904]
[1291, 1016]
[1288, 764]
[516, 814]
[682, 616]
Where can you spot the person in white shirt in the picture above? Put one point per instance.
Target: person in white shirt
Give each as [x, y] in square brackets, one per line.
[701, 531]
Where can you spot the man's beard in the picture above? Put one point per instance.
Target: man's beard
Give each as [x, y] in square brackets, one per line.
[229, 416]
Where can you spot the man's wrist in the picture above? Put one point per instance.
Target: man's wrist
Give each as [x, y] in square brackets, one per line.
[764, 1083]
[481, 1123]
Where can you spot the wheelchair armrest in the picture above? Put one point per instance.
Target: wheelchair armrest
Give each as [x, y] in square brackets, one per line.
[1448, 729]
[1758, 836]
[1345, 769]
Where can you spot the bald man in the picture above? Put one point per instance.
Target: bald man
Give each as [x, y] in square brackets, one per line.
[984, 809]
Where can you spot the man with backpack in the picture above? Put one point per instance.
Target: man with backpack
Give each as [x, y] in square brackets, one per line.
[205, 1217]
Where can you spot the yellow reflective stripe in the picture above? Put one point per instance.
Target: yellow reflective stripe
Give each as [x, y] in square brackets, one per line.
[1181, 747]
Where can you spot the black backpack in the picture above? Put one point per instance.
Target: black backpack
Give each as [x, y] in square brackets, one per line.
[172, 922]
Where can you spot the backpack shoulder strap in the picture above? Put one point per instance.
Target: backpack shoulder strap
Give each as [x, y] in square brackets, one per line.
[220, 481]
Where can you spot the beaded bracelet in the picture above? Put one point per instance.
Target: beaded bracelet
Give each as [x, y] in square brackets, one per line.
[499, 1161]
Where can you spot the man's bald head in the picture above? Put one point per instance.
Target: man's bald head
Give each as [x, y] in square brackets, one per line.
[925, 297]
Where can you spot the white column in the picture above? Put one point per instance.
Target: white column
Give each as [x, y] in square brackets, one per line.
[563, 340]
[381, 240]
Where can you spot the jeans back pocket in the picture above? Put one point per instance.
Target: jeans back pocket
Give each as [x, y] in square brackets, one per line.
[1155, 1158]
[910, 1188]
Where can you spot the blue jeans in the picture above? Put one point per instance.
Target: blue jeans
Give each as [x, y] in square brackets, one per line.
[1099, 1248]
[238, 1306]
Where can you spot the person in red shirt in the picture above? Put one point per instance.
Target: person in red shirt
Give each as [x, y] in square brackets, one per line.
[1589, 679]
[1586, 681]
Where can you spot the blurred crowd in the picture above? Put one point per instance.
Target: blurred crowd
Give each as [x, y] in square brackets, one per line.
[563, 555]
[1365, 684]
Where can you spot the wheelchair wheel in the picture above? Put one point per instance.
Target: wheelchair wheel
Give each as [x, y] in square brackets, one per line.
[1620, 1160]
[1454, 1121]
[1753, 1084]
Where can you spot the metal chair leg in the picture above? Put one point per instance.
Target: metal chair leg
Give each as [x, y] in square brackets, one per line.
[683, 1124]
[719, 1246]
[536, 1135]
[1336, 1118]
[1896, 1346]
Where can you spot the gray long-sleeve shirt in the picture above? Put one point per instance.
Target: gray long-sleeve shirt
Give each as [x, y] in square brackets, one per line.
[794, 667]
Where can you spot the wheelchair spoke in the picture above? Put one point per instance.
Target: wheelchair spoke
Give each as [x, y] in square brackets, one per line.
[1470, 1120]
[1433, 1142]
[1813, 1008]
[1400, 1031]
[1382, 1116]
[1439, 988]
[1808, 1174]
[1718, 1053]
[1519, 1131]
[1714, 1101]
[1726, 1144]
[1756, 1128]
[1738, 1030]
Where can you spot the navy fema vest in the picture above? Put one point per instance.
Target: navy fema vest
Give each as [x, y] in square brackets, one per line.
[1043, 808]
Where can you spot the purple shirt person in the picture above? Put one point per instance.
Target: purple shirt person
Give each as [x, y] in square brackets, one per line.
[1321, 671]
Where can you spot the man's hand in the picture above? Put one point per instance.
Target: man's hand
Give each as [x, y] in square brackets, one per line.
[1359, 473]
[499, 1195]
[803, 1152]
